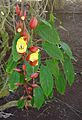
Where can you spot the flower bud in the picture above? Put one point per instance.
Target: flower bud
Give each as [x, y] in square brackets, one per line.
[17, 70]
[33, 23]
[34, 75]
[34, 85]
[24, 67]
[29, 89]
[19, 27]
[17, 10]
[23, 16]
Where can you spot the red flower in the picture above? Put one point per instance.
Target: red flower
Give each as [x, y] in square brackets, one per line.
[33, 23]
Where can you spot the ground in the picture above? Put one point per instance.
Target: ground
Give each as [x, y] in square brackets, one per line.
[68, 107]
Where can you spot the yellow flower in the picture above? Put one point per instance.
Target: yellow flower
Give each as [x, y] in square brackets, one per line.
[21, 45]
[34, 56]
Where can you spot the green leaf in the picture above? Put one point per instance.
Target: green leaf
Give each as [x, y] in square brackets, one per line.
[66, 49]
[22, 78]
[16, 56]
[52, 19]
[14, 78]
[11, 65]
[69, 71]
[53, 51]
[60, 83]
[4, 92]
[48, 33]
[53, 67]
[21, 104]
[45, 22]
[46, 80]
[38, 97]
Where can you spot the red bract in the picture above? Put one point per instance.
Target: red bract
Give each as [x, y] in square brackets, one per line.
[25, 13]
[25, 35]
[33, 49]
[19, 27]
[17, 10]
[34, 75]
[34, 63]
[33, 23]
[23, 16]
[28, 57]
[24, 67]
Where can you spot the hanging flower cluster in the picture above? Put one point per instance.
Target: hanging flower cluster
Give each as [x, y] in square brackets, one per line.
[30, 57]
[33, 77]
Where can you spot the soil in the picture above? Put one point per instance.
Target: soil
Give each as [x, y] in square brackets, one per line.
[68, 107]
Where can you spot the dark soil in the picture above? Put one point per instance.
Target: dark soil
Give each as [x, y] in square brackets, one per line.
[68, 107]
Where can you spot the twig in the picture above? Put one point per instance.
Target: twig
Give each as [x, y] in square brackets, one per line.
[8, 105]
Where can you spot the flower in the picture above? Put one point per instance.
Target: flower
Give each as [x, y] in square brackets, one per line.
[21, 45]
[33, 58]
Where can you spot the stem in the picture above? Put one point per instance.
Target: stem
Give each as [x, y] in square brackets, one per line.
[33, 78]
[31, 37]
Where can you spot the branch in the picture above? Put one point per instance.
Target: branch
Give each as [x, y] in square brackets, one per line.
[8, 105]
